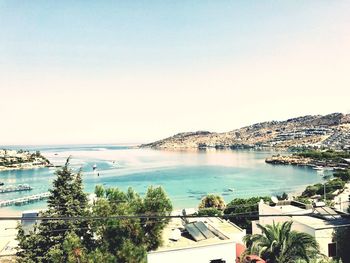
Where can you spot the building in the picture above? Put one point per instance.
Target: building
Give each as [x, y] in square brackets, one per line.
[319, 222]
[207, 240]
[342, 199]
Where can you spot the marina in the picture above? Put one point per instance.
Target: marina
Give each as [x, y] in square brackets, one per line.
[25, 200]
[14, 188]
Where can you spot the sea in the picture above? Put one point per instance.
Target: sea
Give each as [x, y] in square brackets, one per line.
[186, 176]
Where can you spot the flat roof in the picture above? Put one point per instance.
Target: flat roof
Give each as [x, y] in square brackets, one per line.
[318, 223]
[311, 221]
[291, 209]
[227, 229]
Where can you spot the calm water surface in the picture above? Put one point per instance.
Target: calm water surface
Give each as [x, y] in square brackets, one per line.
[185, 175]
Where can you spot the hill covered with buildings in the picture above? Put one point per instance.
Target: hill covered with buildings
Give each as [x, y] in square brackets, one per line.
[330, 131]
[13, 159]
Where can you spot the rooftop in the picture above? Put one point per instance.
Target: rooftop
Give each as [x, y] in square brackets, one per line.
[221, 231]
[316, 218]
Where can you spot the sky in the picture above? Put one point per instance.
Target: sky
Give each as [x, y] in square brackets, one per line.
[75, 72]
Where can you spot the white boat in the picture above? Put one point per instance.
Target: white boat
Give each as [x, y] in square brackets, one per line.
[94, 167]
[318, 168]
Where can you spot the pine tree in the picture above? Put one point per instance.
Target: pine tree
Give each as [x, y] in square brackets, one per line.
[67, 199]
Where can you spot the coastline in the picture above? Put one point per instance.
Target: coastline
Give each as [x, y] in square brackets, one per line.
[27, 167]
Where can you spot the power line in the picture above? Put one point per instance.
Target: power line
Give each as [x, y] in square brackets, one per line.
[151, 216]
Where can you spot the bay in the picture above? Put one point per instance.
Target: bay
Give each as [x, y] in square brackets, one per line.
[185, 175]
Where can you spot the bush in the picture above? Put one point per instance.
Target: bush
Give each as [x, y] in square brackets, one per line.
[318, 189]
[303, 200]
[324, 155]
[210, 212]
[212, 201]
[241, 205]
[342, 175]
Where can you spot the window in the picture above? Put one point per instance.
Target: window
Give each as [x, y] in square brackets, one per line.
[217, 261]
[332, 249]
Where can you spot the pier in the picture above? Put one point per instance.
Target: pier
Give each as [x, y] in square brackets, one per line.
[25, 200]
[13, 188]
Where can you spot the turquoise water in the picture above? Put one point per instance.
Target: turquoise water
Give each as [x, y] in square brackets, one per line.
[185, 175]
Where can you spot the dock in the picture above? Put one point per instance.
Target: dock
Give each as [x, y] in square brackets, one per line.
[15, 188]
[25, 200]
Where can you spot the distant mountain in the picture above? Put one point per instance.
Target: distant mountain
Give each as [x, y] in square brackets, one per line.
[329, 131]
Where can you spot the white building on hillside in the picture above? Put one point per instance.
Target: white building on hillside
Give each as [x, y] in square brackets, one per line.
[321, 224]
[207, 240]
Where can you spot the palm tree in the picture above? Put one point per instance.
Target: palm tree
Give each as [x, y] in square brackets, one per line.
[279, 244]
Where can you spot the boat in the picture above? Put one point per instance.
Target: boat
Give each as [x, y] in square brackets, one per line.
[94, 167]
[318, 168]
[1, 183]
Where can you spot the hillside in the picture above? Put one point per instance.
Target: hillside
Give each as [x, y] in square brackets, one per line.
[330, 131]
[12, 159]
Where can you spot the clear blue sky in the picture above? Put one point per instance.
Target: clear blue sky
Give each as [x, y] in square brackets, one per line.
[135, 71]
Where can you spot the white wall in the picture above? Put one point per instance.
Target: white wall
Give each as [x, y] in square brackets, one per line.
[323, 237]
[202, 254]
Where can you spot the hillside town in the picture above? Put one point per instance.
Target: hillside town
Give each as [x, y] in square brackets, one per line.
[20, 159]
[330, 131]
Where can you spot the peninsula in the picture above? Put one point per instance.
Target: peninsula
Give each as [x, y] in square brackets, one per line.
[20, 159]
[330, 131]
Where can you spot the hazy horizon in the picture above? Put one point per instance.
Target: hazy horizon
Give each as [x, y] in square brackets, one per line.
[134, 72]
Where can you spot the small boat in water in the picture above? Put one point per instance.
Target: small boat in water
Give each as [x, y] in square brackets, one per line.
[318, 168]
[94, 167]
[1, 183]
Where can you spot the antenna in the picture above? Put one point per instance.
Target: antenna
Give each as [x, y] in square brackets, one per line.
[274, 199]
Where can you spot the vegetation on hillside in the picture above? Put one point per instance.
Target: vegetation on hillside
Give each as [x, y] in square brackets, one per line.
[336, 156]
[8, 159]
[318, 189]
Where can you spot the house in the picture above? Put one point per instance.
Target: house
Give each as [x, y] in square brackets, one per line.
[207, 240]
[342, 199]
[319, 222]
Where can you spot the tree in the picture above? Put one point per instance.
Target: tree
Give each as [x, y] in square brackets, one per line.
[129, 239]
[210, 212]
[279, 244]
[283, 196]
[213, 201]
[343, 175]
[67, 199]
[342, 237]
[245, 206]
[108, 239]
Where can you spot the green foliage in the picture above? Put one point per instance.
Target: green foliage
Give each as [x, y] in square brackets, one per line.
[342, 237]
[87, 241]
[343, 175]
[129, 239]
[318, 189]
[210, 212]
[213, 201]
[324, 155]
[241, 205]
[67, 199]
[303, 200]
[99, 190]
[283, 196]
[279, 244]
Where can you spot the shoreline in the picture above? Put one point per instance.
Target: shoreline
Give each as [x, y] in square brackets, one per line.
[29, 167]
